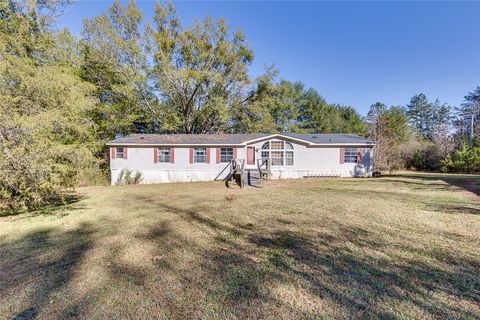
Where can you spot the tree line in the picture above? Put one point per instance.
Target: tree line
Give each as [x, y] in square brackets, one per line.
[62, 97]
[427, 135]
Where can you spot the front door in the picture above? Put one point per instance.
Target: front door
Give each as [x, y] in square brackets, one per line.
[250, 155]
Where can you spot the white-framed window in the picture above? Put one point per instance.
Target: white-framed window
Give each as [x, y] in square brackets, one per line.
[200, 155]
[279, 152]
[277, 158]
[119, 154]
[277, 145]
[265, 155]
[226, 155]
[164, 154]
[350, 155]
[289, 158]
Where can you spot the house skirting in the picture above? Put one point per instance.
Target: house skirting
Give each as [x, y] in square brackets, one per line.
[150, 176]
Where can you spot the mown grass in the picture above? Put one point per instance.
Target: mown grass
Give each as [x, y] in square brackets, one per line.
[393, 247]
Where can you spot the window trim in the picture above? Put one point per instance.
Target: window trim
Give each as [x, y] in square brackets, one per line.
[277, 143]
[281, 157]
[159, 153]
[117, 153]
[224, 157]
[347, 154]
[196, 157]
[288, 148]
[292, 158]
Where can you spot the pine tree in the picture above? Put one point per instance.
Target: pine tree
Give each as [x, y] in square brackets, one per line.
[421, 115]
[468, 110]
[442, 127]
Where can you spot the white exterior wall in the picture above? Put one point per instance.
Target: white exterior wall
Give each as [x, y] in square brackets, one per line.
[141, 159]
[308, 161]
[318, 161]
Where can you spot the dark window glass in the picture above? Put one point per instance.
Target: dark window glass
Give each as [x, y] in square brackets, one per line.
[200, 155]
[119, 153]
[164, 154]
[226, 154]
[350, 155]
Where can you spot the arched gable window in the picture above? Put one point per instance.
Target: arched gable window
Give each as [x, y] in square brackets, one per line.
[279, 152]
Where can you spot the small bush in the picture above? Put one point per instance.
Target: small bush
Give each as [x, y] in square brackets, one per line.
[35, 170]
[125, 177]
[426, 156]
[464, 160]
[137, 178]
[417, 160]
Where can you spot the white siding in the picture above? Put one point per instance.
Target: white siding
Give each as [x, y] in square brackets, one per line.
[308, 161]
[319, 161]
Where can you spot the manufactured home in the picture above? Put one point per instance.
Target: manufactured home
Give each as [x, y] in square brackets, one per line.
[162, 158]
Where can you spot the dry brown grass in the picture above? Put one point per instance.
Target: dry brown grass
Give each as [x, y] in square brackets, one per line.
[394, 247]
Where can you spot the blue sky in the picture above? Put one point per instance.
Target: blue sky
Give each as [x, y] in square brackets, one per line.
[353, 53]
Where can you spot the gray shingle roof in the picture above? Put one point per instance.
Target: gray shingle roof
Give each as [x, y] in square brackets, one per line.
[330, 138]
[188, 138]
[232, 139]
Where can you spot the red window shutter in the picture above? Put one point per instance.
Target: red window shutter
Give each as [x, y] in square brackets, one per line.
[191, 155]
[155, 155]
[113, 152]
[218, 154]
[359, 155]
[125, 153]
[234, 153]
[208, 154]
[172, 155]
[342, 155]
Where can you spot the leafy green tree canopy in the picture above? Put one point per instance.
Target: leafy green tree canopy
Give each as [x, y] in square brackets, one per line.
[200, 72]
[46, 137]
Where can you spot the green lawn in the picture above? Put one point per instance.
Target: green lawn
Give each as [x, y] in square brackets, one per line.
[393, 247]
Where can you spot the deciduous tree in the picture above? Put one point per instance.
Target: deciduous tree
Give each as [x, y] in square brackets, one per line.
[115, 62]
[200, 72]
[389, 128]
[46, 137]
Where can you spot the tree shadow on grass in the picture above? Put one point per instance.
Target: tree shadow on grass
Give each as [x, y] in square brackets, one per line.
[418, 182]
[348, 267]
[338, 268]
[42, 263]
[360, 283]
[469, 183]
[126, 273]
[442, 183]
[195, 216]
[58, 206]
